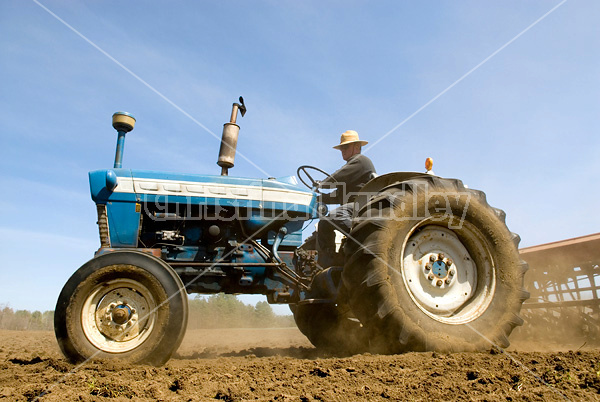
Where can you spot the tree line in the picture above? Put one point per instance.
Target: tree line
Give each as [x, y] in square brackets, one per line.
[216, 311]
[226, 311]
[24, 320]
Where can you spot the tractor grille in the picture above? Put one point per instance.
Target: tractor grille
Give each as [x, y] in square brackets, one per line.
[103, 226]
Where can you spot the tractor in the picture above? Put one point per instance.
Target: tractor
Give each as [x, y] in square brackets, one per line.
[427, 266]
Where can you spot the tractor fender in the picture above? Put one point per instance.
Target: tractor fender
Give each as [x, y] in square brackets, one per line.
[377, 184]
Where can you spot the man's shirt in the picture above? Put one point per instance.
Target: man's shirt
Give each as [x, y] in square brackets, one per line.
[348, 180]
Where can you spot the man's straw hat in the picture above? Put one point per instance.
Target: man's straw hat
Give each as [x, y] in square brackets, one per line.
[349, 137]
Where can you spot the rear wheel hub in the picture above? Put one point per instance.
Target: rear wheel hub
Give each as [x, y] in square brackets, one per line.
[442, 276]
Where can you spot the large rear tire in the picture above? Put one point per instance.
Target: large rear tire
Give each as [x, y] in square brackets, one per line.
[431, 266]
[126, 305]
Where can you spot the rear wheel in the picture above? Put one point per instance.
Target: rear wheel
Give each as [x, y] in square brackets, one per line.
[125, 305]
[431, 266]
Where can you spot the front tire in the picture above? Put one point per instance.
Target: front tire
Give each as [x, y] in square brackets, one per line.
[431, 266]
[126, 305]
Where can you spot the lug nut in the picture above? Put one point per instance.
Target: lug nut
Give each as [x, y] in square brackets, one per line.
[441, 256]
[451, 273]
[427, 267]
[430, 277]
[449, 262]
[447, 281]
[432, 258]
[439, 282]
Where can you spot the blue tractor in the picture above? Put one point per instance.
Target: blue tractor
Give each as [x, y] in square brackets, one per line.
[428, 264]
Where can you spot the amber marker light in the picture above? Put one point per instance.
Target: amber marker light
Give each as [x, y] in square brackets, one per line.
[429, 164]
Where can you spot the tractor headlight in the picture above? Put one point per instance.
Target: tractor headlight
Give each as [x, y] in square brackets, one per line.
[111, 180]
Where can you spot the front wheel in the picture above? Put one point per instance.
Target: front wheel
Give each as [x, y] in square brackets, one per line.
[125, 304]
[431, 266]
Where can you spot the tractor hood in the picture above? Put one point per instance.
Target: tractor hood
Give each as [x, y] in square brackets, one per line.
[140, 186]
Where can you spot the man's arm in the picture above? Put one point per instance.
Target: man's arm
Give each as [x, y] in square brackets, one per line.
[338, 180]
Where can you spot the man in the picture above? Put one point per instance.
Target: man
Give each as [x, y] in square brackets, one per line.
[346, 181]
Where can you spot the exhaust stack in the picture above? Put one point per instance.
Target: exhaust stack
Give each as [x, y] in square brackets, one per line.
[229, 138]
[123, 122]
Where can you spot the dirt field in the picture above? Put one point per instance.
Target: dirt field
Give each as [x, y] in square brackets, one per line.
[280, 365]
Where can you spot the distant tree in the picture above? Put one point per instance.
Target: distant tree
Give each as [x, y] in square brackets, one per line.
[264, 314]
[7, 316]
[48, 320]
[35, 321]
[22, 318]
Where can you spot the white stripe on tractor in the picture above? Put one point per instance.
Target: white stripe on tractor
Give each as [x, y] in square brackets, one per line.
[212, 190]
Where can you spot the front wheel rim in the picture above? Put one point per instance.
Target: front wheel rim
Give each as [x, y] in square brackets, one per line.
[119, 315]
[449, 274]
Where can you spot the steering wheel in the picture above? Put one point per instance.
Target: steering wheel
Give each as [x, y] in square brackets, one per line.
[313, 183]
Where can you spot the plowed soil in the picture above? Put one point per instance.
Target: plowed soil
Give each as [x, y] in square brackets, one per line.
[281, 365]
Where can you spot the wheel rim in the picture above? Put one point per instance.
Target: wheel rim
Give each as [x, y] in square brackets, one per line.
[448, 274]
[118, 316]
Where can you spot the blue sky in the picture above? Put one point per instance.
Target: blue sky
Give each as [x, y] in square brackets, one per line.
[523, 127]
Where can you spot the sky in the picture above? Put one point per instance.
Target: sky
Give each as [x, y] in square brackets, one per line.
[504, 95]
